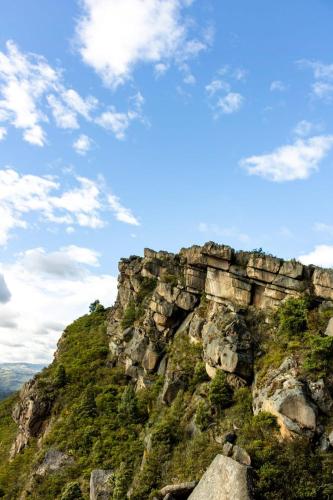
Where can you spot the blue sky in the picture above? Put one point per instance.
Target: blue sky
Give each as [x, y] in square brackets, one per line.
[148, 123]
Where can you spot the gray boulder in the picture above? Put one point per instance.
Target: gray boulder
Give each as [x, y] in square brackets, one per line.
[100, 484]
[285, 396]
[225, 479]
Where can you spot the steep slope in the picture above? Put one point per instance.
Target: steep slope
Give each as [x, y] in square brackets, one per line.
[14, 375]
[207, 352]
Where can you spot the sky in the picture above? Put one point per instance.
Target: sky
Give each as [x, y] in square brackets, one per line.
[127, 124]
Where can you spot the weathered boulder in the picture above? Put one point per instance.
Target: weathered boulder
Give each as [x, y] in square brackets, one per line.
[100, 484]
[225, 479]
[53, 461]
[285, 396]
[323, 283]
[227, 344]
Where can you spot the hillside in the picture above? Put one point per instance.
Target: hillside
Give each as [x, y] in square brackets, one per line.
[209, 355]
[14, 375]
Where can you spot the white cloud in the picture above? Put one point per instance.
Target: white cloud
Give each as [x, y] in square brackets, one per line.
[122, 213]
[22, 195]
[321, 71]
[277, 86]
[117, 122]
[291, 162]
[82, 144]
[115, 36]
[216, 86]
[304, 128]
[322, 255]
[65, 262]
[231, 103]
[63, 116]
[32, 94]
[160, 69]
[3, 133]
[44, 302]
[322, 90]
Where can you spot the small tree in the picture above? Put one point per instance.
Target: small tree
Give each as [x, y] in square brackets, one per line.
[220, 393]
[95, 306]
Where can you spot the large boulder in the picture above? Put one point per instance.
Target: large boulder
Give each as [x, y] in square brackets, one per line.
[227, 343]
[285, 396]
[225, 479]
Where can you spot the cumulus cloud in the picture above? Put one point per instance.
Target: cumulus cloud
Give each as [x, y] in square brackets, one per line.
[4, 292]
[65, 262]
[322, 255]
[82, 144]
[277, 86]
[231, 103]
[115, 36]
[322, 88]
[221, 96]
[39, 295]
[122, 213]
[83, 204]
[33, 94]
[290, 162]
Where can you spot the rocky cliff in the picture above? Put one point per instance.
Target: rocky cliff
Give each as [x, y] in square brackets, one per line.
[208, 353]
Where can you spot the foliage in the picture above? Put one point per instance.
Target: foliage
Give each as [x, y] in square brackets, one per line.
[129, 316]
[72, 492]
[292, 316]
[220, 393]
[95, 306]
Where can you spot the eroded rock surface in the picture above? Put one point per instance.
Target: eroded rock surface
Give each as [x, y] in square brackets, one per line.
[225, 479]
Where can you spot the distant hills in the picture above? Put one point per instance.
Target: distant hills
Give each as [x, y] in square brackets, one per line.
[14, 375]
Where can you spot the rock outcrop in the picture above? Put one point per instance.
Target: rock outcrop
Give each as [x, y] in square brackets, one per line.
[31, 414]
[100, 484]
[225, 479]
[287, 397]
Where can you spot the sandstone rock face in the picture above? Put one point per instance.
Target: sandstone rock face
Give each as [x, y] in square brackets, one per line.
[53, 461]
[100, 486]
[329, 328]
[227, 343]
[225, 479]
[30, 413]
[282, 394]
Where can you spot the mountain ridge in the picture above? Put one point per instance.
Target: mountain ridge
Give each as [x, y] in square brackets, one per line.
[209, 360]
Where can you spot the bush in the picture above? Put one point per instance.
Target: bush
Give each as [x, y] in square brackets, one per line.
[292, 317]
[72, 492]
[220, 393]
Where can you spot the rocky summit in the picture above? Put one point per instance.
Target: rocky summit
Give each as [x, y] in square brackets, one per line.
[210, 378]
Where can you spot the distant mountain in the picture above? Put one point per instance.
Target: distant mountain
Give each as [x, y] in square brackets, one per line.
[14, 375]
